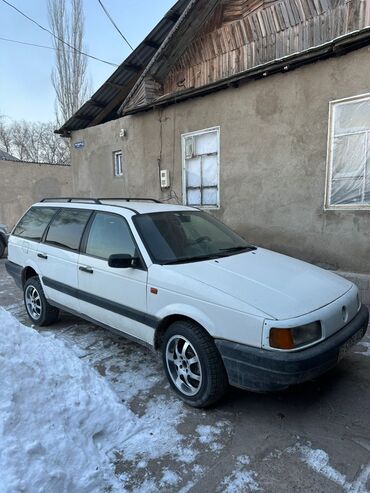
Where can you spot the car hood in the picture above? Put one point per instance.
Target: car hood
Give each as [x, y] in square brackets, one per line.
[280, 286]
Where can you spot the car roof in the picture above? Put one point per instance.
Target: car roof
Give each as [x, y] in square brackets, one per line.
[138, 207]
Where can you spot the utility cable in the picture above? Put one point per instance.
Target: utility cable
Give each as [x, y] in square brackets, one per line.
[56, 37]
[29, 44]
[114, 24]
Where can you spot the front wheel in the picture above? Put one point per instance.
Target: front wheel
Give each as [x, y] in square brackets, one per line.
[38, 309]
[193, 364]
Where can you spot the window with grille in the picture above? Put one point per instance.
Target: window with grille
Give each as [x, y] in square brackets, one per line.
[117, 163]
[348, 183]
[201, 154]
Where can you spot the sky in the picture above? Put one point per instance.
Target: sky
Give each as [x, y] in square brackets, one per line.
[26, 92]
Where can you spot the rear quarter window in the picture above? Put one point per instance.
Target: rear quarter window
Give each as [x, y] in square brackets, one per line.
[67, 227]
[34, 223]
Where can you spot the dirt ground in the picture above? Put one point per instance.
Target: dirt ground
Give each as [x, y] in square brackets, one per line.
[314, 437]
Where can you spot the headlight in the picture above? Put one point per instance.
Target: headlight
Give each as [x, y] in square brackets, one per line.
[295, 337]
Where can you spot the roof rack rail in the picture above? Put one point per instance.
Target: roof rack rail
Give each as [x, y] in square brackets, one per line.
[131, 199]
[70, 199]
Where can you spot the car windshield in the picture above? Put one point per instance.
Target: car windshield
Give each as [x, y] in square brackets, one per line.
[187, 236]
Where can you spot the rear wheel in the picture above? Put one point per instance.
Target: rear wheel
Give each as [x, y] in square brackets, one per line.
[193, 364]
[38, 309]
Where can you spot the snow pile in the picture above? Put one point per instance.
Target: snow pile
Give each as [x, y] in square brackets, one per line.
[59, 420]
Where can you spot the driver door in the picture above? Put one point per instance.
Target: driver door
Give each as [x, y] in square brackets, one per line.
[113, 296]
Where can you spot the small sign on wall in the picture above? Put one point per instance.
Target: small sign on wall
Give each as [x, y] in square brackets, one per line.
[79, 144]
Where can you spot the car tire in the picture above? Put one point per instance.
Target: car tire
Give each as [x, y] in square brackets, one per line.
[38, 309]
[2, 247]
[193, 364]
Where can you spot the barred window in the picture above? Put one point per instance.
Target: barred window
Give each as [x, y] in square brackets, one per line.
[201, 168]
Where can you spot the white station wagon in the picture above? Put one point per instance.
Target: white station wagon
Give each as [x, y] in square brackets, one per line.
[220, 310]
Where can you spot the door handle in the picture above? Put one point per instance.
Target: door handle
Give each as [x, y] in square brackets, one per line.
[42, 255]
[88, 270]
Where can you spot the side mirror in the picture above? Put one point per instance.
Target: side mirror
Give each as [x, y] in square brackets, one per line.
[122, 261]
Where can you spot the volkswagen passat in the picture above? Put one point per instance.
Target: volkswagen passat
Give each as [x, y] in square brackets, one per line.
[220, 310]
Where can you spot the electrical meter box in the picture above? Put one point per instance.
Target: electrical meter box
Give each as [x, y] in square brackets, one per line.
[165, 178]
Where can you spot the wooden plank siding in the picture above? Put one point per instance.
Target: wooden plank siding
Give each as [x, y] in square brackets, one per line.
[242, 34]
[253, 32]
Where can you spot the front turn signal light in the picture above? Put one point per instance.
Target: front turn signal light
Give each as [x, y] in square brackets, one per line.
[281, 339]
[295, 337]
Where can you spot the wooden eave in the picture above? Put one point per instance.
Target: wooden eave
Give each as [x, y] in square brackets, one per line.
[337, 47]
[184, 29]
[208, 48]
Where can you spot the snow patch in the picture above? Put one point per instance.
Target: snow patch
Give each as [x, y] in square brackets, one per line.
[211, 434]
[169, 478]
[208, 433]
[240, 479]
[60, 421]
[366, 346]
[158, 435]
[319, 461]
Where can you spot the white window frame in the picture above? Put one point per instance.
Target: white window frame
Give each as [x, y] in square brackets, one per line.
[329, 160]
[117, 164]
[184, 187]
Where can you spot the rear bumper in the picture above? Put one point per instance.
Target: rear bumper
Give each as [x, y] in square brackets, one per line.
[263, 370]
[15, 271]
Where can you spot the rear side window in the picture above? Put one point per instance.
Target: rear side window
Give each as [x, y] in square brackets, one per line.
[67, 227]
[109, 234]
[33, 224]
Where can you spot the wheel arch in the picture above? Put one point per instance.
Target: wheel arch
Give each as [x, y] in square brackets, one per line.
[181, 314]
[27, 272]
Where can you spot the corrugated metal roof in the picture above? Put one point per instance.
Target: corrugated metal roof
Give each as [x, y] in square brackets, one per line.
[104, 104]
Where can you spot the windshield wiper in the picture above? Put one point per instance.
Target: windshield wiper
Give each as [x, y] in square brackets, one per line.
[221, 253]
[247, 248]
[193, 259]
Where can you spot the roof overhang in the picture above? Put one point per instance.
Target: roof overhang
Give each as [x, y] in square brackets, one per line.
[103, 105]
[337, 47]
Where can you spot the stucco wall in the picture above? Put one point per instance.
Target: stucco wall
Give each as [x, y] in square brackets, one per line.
[273, 159]
[22, 184]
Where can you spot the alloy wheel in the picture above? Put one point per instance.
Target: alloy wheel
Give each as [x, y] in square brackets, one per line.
[183, 365]
[33, 302]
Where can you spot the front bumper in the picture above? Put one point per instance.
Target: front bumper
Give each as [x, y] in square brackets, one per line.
[265, 370]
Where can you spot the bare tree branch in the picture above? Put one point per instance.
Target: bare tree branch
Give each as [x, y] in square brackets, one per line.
[69, 77]
[34, 142]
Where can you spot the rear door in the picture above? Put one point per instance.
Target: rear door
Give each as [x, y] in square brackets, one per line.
[113, 296]
[25, 239]
[58, 256]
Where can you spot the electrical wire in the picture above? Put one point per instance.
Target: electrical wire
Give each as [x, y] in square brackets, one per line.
[114, 24]
[28, 44]
[56, 37]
